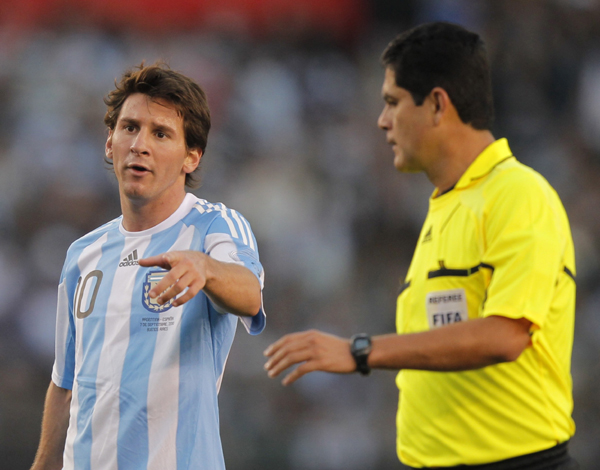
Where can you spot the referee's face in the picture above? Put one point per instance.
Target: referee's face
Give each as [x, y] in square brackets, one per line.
[406, 126]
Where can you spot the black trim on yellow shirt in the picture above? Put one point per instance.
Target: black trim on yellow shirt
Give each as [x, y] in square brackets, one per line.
[569, 273]
[443, 272]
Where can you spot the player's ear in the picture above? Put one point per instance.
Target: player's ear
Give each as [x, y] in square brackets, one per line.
[192, 160]
[440, 103]
[108, 146]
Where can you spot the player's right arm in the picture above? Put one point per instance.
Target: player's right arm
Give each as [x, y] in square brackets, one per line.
[49, 455]
[55, 421]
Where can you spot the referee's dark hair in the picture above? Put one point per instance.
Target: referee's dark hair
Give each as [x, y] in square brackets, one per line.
[158, 81]
[448, 56]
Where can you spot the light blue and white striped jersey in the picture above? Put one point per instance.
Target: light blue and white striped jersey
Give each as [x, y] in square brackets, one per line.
[145, 377]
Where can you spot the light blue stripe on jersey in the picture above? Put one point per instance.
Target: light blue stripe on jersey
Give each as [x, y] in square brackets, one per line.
[199, 444]
[64, 366]
[133, 437]
[92, 339]
[197, 428]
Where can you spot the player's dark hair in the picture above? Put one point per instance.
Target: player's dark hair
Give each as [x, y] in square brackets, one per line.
[158, 81]
[447, 56]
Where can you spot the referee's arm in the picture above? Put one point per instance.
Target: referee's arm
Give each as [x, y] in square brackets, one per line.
[461, 346]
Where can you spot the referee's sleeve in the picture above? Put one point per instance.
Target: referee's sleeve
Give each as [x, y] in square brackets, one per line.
[524, 243]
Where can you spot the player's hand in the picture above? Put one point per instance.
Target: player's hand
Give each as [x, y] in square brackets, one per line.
[313, 350]
[187, 269]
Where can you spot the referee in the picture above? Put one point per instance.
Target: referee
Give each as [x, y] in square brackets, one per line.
[485, 316]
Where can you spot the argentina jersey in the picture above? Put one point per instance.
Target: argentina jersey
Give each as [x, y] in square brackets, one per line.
[145, 376]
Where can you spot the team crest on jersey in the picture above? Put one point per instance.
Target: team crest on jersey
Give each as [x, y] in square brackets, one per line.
[153, 278]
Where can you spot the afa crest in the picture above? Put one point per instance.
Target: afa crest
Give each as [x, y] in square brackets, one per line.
[153, 278]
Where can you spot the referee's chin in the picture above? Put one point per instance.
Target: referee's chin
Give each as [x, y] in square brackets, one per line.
[402, 164]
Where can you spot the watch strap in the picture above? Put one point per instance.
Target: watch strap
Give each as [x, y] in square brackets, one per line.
[360, 348]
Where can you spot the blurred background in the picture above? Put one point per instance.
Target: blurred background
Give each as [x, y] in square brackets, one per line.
[294, 89]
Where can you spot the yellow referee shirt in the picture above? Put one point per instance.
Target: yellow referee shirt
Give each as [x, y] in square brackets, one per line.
[499, 243]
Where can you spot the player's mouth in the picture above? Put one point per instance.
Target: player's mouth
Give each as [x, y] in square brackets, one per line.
[138, 169]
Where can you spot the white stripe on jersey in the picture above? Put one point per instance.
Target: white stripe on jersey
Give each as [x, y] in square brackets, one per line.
[163, 383]
[62, 330]
[205, 207]
[221, 208]
[110, 366]
[251, 238]
[240, 225]
[89, 256]
[68, 457]
[220, 378]
[208, 206]
[219, 246]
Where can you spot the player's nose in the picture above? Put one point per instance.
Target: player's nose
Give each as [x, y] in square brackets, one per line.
[140, 143]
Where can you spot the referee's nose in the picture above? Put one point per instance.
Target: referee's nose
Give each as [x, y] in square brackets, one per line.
[384, 120]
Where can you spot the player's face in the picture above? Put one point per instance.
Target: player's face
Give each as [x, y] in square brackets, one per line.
[148, 150]
[406, 126]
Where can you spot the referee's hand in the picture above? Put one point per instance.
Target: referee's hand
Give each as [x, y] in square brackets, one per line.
[313, 350]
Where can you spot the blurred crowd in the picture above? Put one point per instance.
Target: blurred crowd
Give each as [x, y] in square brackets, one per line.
[295, 148]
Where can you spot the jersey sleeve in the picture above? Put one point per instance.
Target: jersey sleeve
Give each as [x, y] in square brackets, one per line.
[230, 239]
[63, 370]
[524, 245]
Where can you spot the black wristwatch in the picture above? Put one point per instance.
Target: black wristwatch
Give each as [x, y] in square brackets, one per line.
[360, 347]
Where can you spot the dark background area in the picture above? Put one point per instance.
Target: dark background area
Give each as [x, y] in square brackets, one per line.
[294, 90]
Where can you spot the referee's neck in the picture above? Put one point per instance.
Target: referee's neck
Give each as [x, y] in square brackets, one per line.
[455, 155]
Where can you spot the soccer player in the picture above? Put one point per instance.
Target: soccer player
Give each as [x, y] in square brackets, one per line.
[148, 303]
[485, 316]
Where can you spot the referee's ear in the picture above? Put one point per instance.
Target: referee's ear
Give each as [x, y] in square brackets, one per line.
[440, 104]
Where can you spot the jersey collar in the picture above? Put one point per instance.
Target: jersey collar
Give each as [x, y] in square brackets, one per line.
[493, 154]
[186, 206]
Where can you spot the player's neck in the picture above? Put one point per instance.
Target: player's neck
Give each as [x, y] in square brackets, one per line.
[142, 214]
[456, 155]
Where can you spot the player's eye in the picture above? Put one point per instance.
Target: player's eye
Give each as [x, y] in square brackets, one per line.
[129, 127]
[161, 135]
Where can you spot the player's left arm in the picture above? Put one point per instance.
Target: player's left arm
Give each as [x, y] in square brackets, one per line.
[232, 287]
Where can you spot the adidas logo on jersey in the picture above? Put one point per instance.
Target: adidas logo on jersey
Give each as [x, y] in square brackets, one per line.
[131, 260]
[427, 237]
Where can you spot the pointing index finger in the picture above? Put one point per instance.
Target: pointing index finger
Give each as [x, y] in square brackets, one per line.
[159, 260]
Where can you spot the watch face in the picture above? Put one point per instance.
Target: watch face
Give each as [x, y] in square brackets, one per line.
[361, 343]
